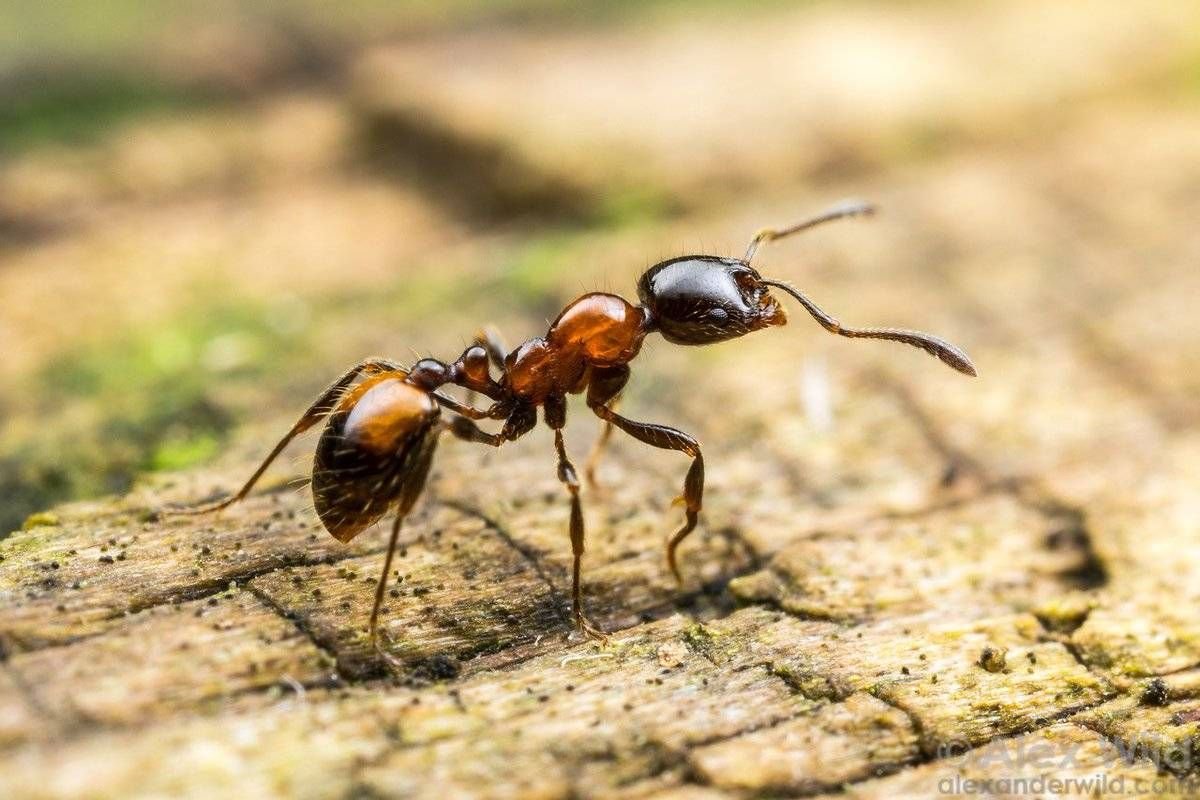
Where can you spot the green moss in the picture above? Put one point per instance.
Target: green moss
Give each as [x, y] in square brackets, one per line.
[807, 683]
[78, 107]
[699, 638]
[535, 271]
[1133, 667]
[42, 519]
[1067, 613]
[180, 451]
[994, 659]
[94, 418]
[635, 207]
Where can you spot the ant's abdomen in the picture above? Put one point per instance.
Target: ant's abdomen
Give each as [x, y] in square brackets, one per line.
[374, 454]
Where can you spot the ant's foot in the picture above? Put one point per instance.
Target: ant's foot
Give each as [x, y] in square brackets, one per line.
[584, 626]
[392, 661]
[191, 511]
[677, 575]
[673, 565]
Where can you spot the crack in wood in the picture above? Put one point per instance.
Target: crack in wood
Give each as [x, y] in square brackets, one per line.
[296, 620]
[191, 592]
[524, 551]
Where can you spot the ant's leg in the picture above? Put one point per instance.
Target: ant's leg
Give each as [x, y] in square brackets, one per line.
[464, 409]
[320, 407]
[668, 439]
[468, 431]
[597, 452]
[518, 424]
[604, 389]
[556, 418]
[413, 486]
[383, 577]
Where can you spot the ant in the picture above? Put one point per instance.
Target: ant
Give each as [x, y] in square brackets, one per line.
[380, 433]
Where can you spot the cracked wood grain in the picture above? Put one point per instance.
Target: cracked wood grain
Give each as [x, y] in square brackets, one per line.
[899, 576]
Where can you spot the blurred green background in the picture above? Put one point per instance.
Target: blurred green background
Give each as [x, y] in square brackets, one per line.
[207, 209]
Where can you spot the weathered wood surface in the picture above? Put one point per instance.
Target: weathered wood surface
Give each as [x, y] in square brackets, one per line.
[899, 570]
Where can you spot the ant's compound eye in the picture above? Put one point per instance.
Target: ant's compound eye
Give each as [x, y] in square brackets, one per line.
[716, 316]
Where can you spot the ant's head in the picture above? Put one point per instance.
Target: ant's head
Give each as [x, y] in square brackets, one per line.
[707, 299]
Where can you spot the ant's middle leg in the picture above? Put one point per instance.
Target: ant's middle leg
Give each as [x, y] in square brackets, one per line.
[598, 448]
[463, 409]
[315, 413]
[468, 431]
[605, 386]
[556, 419]
[519, 422]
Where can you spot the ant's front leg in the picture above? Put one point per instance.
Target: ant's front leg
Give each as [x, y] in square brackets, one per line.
[556, 419]
[315, 413]
[605, 386]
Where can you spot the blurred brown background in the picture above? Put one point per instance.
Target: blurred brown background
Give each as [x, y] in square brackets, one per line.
[208, 208]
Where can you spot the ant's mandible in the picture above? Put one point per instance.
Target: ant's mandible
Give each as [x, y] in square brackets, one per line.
[380, 433]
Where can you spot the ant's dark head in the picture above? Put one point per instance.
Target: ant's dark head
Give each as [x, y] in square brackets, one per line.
[707, 299]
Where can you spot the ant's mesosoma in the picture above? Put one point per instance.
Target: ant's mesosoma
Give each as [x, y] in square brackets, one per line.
[380, 435]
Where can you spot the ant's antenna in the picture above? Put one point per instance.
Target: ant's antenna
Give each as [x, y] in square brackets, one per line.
[948, 353]
[846, 208]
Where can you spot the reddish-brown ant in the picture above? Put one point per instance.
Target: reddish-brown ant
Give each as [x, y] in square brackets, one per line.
[374, 454]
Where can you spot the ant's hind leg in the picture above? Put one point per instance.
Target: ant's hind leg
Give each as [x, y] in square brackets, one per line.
[317, 411]
[556, 417]
[413, 486]
[372, 626]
